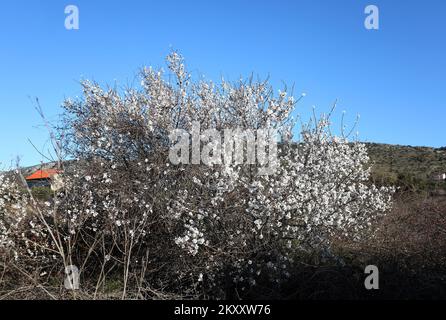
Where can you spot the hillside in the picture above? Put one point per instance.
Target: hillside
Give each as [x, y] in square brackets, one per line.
[409, 167]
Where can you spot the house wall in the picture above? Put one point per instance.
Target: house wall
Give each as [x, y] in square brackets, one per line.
[38, 183]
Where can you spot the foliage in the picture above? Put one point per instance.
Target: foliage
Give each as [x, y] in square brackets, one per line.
[192, 230]
[409, 168]
[42, 193]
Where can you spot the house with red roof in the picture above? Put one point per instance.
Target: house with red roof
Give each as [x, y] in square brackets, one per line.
[42, 178]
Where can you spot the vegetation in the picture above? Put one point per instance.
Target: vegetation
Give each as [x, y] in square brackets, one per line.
[409, 168]
[42, 193]
[136, 222]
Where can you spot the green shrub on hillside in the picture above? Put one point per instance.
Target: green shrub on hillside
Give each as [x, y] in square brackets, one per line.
[42, 193]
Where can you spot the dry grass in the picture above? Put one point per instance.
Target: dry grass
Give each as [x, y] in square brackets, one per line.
[408, 246]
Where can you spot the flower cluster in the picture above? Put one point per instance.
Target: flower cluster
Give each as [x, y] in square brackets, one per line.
[123, 204]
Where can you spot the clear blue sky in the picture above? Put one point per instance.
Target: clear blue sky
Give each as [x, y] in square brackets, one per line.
[394, 77]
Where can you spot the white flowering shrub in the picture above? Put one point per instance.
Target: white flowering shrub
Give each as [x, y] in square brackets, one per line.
[25, 235]
[12, 210]
[196, 229]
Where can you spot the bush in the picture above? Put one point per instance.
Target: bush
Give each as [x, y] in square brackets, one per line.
[193, 230]
[42, 193]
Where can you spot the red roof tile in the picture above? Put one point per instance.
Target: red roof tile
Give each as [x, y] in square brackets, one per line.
[43, 174]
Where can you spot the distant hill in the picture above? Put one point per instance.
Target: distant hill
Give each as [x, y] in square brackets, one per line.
[411, 168]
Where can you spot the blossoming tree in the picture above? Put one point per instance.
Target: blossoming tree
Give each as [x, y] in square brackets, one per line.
[194, 229]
